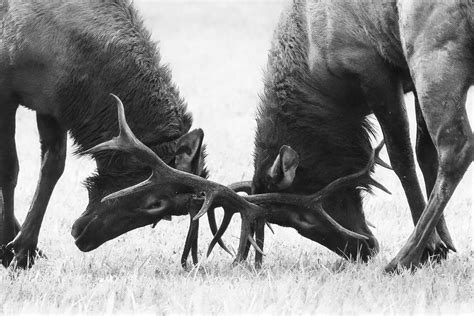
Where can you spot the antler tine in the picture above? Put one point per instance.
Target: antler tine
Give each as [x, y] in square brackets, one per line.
[341, 182]
[208, 200]
[377, 184]
[382, 163]
[127, 141]
[339, 227]
[225, 223]
[211, 216]
[242, 186]
[379, 160]
[246, 234]
[191, 240]
[130, 190]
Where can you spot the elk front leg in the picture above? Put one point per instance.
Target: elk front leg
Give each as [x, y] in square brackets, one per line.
[8, 177]
[53, 156]
[442, 92]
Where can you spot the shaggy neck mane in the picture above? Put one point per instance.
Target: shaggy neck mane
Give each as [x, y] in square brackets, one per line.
[309, 111]
[116, 55]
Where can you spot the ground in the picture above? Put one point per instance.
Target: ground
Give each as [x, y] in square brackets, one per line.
[217, 52]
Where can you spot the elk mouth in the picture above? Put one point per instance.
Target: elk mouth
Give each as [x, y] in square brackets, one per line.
[89, 231]
[80, 234]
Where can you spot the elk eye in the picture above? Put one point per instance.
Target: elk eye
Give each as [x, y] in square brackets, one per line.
[152, 202]
[157, 204]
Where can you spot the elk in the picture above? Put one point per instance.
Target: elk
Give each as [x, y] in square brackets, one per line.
[62, 59]
[331, 64]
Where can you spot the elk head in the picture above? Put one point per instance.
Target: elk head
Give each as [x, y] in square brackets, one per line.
[343, 228]
[118, 205]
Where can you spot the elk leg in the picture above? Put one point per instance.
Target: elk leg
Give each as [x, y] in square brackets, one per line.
[428, 162]
[442, 91]
[385, 96]
[53, 156]
[8, 177]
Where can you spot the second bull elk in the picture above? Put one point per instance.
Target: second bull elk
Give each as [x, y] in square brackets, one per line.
[331, 64]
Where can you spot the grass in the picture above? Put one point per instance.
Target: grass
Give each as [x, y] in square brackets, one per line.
[217, 51]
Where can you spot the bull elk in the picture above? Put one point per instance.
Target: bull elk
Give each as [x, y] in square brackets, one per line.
[331, 64]
[62, 59]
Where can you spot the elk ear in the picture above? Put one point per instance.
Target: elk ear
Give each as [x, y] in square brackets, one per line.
[188, 152]
[283, 171]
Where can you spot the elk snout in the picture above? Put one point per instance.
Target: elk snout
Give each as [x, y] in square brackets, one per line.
[79, 226]
[79, 231]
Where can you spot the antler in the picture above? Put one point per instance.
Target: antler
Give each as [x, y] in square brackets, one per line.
[214, 194]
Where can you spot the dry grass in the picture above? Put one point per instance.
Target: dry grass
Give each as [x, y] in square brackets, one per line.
[217, 51]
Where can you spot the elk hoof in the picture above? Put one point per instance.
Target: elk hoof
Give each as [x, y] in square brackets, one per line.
[25, 252]
[6, 256]
[435, 250]
[409, 257]
[398, 264]
[26, 259]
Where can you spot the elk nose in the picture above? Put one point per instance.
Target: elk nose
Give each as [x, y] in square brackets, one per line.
[79, 225]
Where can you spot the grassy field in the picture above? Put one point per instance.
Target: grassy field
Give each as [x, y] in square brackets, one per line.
[217, 51]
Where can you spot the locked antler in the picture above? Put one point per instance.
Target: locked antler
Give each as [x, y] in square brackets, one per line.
[216, 195]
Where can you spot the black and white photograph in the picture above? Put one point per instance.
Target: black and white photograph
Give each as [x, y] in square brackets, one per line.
[236, 157]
